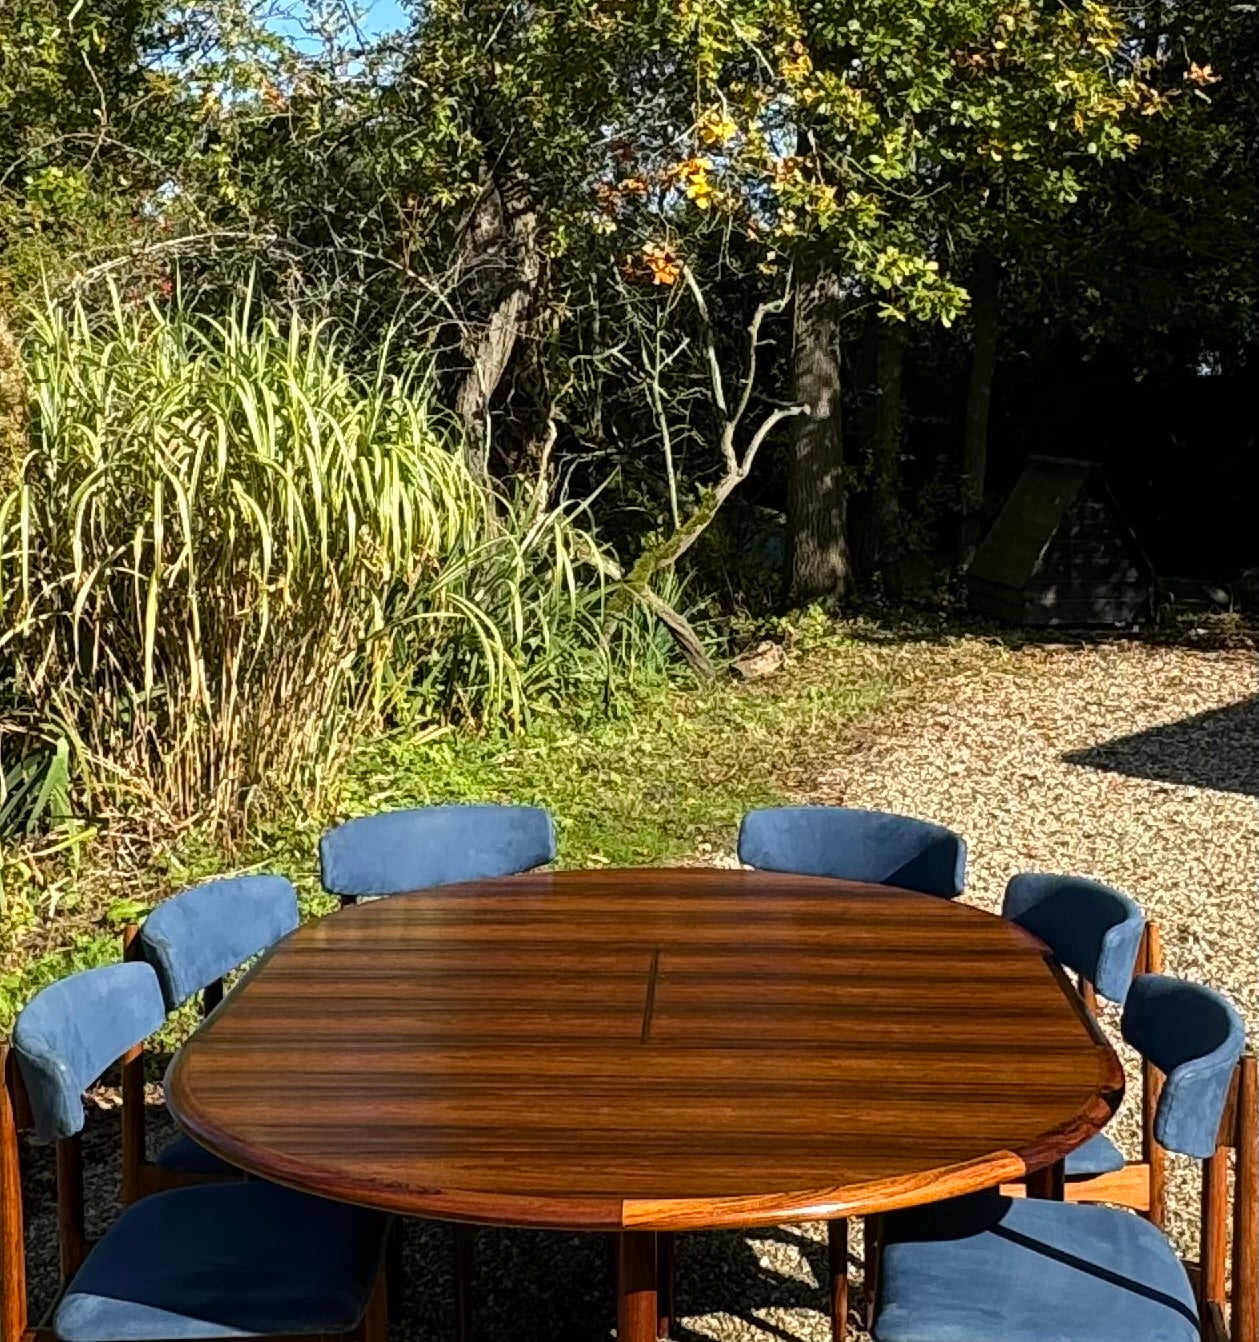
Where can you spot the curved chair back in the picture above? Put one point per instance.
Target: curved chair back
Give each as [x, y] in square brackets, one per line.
[195, 937]
[1092, 929]
[69, 1033]
[840, 841]
[396, 851]
[1194, 1036]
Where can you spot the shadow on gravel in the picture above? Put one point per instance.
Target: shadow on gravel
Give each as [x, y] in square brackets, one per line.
[1218, 749]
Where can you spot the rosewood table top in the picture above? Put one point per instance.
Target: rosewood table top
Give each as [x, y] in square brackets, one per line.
[648, 1050]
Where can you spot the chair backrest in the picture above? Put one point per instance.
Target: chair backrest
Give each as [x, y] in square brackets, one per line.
[1194, 1037]
[195, 937]
[69, 1033]
[1092, 929]
[854, 845]
[395, 851]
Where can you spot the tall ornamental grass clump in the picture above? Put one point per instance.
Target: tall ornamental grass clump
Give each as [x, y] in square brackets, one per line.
[226, 556]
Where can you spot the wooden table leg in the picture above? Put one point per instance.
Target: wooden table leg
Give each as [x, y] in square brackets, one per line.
[1049, 1182]
[664, 1282]
[837, 1265]
[636, 1316]
[465, 1261]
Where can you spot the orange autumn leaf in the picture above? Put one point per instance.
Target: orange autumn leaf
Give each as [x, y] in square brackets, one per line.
[664, 263]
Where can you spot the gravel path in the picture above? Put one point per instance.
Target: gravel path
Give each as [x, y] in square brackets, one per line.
[1137, 765]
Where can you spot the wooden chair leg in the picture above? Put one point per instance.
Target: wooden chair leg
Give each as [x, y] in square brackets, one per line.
[872, 1231]
[1152, 1154]
[465, 1262]
[13, 1304]
[664, 1282]
[71, 1230]
[375, 1322]
[1213, 1253]
[837, 1270]
[1048, 1182]
[131, 1078]
[1245, 1322]
[394, 1271]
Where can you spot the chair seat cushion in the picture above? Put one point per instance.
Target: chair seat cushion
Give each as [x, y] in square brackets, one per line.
[225, 1260]
[1099, 1155]
[181, 1155]
[994, 1269]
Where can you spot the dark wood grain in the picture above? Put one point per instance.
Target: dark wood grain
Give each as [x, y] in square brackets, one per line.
[135, 1162]
[837, 1273]
[464, 1273]
[665, 1268]
[1048, 1182]
[648, 1050]
[71, 1212]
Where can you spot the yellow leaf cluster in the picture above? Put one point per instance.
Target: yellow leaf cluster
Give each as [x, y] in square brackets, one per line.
[717, 127]
[796, 65]
[692, 175]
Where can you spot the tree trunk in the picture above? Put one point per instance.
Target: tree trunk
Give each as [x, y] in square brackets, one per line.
[819, 564]
[502, 243]
[984, 297]
[885, 451]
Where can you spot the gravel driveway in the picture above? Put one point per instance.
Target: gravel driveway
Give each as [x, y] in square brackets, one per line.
[1138, 765]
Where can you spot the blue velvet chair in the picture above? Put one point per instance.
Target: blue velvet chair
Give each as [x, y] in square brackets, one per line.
[853, 845]
[1099, 934]
[396, 851]
[991, 1268]
[843, 842]
[192, 940]
[215, 1261]
[415, 849]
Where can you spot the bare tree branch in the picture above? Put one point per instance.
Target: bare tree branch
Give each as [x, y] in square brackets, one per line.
[714, 364]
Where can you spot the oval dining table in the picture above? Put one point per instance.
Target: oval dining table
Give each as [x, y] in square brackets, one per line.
[648, 1050]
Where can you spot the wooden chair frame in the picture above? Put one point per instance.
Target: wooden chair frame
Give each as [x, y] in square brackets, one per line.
[140, 1176]
[1141, 1184]
[464, 1246]
[72, 1239]
[1238, 1136]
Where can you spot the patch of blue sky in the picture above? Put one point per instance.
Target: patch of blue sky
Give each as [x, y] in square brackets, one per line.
[299, 24]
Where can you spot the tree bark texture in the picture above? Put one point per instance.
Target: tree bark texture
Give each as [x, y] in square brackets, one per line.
[501, 252]
[818, 559]
[984, 291]
[502, 243]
